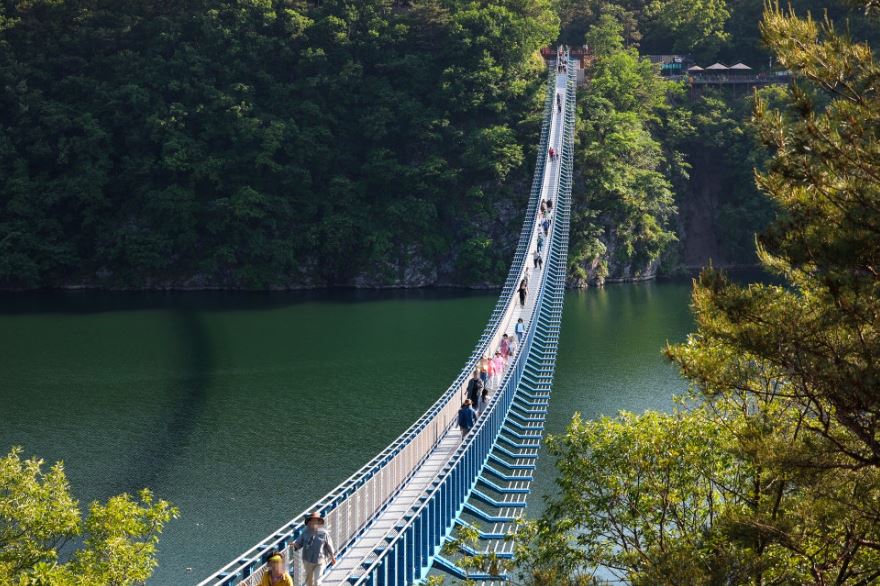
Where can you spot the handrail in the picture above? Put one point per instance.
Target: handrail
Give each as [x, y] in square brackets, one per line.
[248, 563]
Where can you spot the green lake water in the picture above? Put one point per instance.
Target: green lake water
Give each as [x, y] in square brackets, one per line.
[244, 408]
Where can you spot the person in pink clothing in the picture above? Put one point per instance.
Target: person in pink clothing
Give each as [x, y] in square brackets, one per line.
[498, 362]
[504, 347]
[490, 368]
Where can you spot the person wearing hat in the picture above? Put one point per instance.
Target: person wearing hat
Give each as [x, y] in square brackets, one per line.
[277, 574]
[317, 548]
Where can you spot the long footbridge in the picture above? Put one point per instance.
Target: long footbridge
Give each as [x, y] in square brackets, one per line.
[391, 518]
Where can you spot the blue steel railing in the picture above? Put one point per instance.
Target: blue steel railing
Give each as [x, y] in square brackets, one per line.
[525, 417]
[250, 562]
[411, 547]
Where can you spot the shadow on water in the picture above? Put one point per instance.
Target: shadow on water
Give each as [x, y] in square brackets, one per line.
[98, 301]
[187, 400]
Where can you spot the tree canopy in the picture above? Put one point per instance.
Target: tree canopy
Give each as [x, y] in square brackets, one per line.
[262, 143]
[39, 519]
[626, 197]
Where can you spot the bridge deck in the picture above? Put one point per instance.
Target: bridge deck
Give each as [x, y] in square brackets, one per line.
[374, 537]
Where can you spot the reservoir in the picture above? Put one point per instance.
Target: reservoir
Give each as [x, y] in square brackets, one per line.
[244, 408]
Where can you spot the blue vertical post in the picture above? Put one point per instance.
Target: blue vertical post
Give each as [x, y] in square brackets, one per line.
[400, 565]
[425, 541]
[436, 530]
[410, 554]
[444, 506]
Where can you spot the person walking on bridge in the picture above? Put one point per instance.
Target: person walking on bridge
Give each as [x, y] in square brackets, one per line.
[466, 418]
[498, 361]
[317, 549]
[558, 102]
[474, 388]
[539, 261]
[523, 291]
[520, 330]
[277, 575]
[484, 402]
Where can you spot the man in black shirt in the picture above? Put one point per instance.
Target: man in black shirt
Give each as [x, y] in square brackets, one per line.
[475, 388]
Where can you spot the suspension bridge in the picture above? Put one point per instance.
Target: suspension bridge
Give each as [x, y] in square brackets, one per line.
[391, 518]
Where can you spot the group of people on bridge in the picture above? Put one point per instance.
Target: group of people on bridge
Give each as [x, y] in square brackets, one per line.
[317, 551]
[317, 548]
[543, 231]
[561, 66]
[487, 378]
[490, 369]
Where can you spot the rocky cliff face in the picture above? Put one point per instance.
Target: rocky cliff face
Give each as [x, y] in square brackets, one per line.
[610, 267]
[697, 222]
[716, 222]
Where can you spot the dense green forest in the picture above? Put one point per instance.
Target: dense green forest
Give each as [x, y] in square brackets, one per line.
[290, 144]
[265, 143]
[258, 144]
[666, 174]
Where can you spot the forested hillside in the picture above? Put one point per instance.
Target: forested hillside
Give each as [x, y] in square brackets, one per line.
[278, 144]
[768, 472]
[665, 176]
[265, 143]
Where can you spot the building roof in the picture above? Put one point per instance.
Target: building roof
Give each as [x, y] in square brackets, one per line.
[741, 66]
[717, 67]
[695, 68]
[668, 58]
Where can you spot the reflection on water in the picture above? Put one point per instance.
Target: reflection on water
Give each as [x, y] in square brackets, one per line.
[239, 408]
[610, 358]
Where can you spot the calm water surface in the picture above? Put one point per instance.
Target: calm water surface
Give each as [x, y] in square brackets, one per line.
[242, 409]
